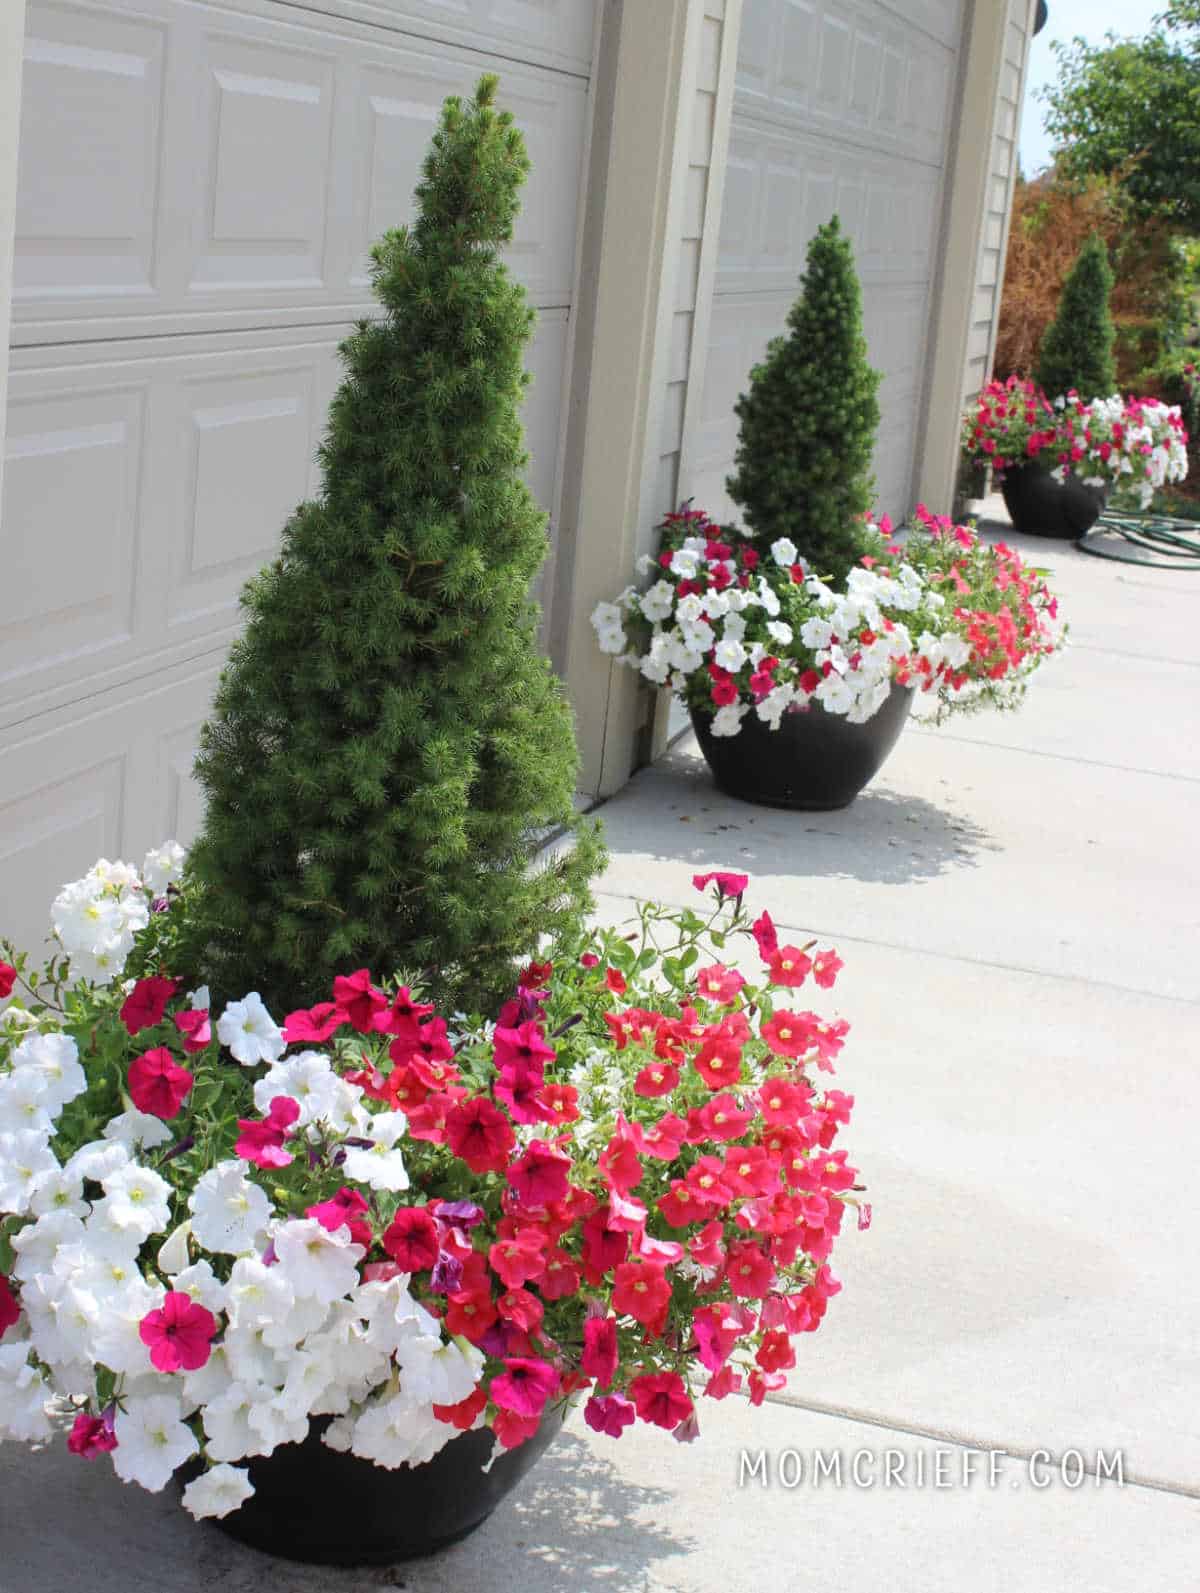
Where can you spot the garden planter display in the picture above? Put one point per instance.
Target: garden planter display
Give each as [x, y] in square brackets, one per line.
[315, 1504]
[815, 761]
[1040, 505]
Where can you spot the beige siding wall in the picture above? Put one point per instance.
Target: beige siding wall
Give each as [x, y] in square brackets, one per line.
[989, 276]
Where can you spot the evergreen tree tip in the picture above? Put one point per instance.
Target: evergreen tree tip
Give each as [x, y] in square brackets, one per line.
[485, 91]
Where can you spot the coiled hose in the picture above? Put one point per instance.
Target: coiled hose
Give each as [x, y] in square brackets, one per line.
[1162, 541]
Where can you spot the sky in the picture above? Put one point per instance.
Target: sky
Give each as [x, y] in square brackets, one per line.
[1091, 20]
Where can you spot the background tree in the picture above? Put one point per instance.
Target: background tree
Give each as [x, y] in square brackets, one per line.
[1077, 350]
[387, 748]
[809, 418]
[1130, 108]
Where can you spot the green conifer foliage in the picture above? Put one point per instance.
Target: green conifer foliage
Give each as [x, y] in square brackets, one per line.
[1077, 350]
[809, 417]
[388, 747]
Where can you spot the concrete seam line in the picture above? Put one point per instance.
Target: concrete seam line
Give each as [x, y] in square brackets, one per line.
[1058, 757]
[961, 1440]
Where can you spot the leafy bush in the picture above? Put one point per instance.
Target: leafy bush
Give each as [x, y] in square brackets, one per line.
[1076, 354]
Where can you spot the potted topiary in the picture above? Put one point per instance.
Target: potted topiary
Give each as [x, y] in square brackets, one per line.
[1075, 362]
[797, 689]
[388, 748]
[340, 1276]
[1058, 463]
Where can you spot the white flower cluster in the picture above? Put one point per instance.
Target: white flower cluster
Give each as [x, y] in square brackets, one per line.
[689, 632]
[297, 1332]
[96, 918]
[1136, 446]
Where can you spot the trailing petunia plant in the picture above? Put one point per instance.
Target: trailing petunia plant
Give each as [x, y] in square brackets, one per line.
[217, 1228]
[733, 634]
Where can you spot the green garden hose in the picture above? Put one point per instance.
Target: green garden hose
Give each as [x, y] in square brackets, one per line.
[1162, 541]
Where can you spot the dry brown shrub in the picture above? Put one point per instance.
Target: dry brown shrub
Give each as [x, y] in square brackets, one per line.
[1050, 222]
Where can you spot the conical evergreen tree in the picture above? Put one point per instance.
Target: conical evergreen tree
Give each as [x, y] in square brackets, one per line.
[809, 417]
[1077, 349]
[388, 748]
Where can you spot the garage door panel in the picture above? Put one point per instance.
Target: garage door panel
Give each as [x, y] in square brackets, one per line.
[863, 70]
[73, 463]
[107, 778]
[92, 82]
[267, 115]
[782, 187]
[556, 33]
[229, 164]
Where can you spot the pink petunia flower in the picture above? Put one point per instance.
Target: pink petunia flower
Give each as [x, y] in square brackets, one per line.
[179, 1334]
[661, 1398]
[261, 1142]
[727, 884]
[524, 1386]
[91, 1436]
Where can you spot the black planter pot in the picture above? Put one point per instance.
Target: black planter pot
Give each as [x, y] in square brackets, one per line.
[815, 761]
[326, 1507]
[1040, 506]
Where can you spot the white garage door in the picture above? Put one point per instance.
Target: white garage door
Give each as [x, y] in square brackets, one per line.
[841, 107]
[198, 187]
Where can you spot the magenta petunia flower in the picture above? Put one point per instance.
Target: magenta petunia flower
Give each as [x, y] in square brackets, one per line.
[179, 1334]
[91, 1437]
[610, 1414]
[524, 1386]
[145, 1004]
[157, 1084]
[727, 884]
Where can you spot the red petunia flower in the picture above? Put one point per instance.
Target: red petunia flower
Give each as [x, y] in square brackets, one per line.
[356, 997]
[540, 1177]
[145, 1004]
[641, 1290]
[10, 1311]
[826, 967]
[8, 978]
[609, 1414]
[411, 1239]
[157, 1084]
[787, 965]
[480, 1134]
[661, 1399]
[524, 1044]
[195, 1025]
[465, 1413]
[600, 1350]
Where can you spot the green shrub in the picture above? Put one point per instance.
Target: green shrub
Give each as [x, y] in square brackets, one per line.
[388, 748]
[1077, 350]
[809, 418]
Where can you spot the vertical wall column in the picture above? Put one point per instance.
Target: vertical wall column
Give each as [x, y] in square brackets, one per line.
[644, 81]
[12, 48]
[966, 295]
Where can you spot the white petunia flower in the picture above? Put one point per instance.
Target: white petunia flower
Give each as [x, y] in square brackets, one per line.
[273, 1426]
[163, 866]
[55, 1058]
[152, 1441]
[23, 1395]
[137, 1130]
[200, 1284]
[308, 1078]
[24, 1102]
[382, 1166]
[116, 1340]
[730, 655]
[38, 1243]
[784, 552]
[315, 1261]
[658, 603]
[443, 1374]
[727, 721]
[229, 1213]
[136, 1199]
[221, 1490]
[58, 1191]
[250, 1032]
[24, 1158]
[397, 1431]
[780, 631]
[94, 1161]
[257, 1294]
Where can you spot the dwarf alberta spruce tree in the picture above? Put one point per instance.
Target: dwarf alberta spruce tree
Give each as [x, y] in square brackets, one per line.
[388, 748]
[1077, 350]
[808, 420]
